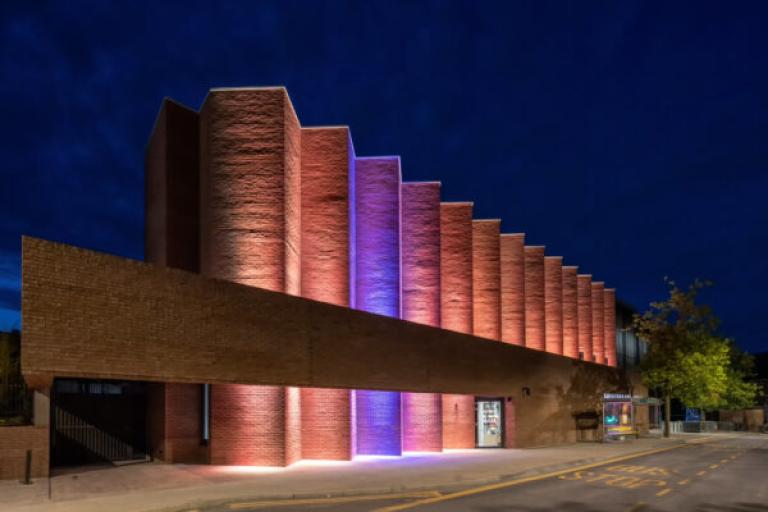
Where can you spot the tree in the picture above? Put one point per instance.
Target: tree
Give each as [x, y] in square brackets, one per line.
[687, 359]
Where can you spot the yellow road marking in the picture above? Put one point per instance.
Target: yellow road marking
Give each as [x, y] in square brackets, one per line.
[714, 466]
[702, 472]
[664, 492]
[331, 501]
[637, 506]
[733, 457]
[510, 483]
[683, 482]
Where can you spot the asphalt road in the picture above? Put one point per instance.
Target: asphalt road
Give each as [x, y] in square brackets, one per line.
[727, 474]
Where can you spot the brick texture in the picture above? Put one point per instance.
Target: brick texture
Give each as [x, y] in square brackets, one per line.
[172, 239]
[420, 225]
[377, 289]
[512, 264]
[248, 425]
[294, 438]
[456, 266]
[325, 424]
[422, 422]
[458, 421]
[510, 423]
[553, 304]
[183, 424]
[378, 415]
[456, 312]
[609, 325]
[172, 176]
[175, 323]
[325, 173]
[421, 252]
[486, 316]
[14, 443]
[534, 297]
[377, 234]
[584, 290]
[243, 135]
[570, 313]
[250, 144]
[598, 331]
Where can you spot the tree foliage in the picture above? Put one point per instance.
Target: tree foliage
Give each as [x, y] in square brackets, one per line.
[687, 359]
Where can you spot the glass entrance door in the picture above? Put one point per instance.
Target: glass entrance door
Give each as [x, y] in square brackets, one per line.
[489, 423]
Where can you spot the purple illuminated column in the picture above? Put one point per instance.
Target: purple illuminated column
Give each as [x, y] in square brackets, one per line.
[376, 288]
[420, 295]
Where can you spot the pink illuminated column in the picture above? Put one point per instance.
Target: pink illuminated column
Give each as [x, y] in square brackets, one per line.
[420, 296]
[609, 325]
[598, 332]
[376, 249]
[456, 267]
[456, 312]
[570, 313]
[250, 218]
[512, 267]
[553, 304]
[534, 297]
[486, 316]
[584, 291]
[327, 160]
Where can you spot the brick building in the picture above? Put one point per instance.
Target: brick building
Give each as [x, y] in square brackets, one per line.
[300, 301]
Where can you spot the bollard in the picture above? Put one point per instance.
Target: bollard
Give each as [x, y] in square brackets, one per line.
[28, 469]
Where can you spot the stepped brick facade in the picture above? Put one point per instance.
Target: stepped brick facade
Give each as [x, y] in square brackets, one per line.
[293, 209]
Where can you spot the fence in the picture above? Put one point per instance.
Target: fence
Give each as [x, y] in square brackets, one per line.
[15, 403]
[93, 439]
[679, 427]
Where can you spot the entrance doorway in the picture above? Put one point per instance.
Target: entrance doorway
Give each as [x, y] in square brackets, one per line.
[489, 423]
[97, 421]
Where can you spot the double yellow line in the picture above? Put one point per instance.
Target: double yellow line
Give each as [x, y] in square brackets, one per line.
[544, 476]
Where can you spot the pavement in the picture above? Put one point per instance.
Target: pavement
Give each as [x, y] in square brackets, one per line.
[363, 484]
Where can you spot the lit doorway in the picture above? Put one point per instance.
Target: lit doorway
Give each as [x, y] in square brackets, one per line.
[489, 423]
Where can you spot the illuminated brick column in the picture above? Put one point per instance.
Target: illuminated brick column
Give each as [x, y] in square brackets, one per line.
[327, 160]
[609, 324]
[486, 316]
[456, 312]
[598, 332]
[376, 215]
[512, 264]
[553, 304]
[250, 218]
[456, 267]
[584, 292]
[534, 297]
[570, 313]
[420, 295]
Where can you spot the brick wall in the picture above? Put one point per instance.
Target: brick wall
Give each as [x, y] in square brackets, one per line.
[175, 323]
[553, 304]
[420, 267]
[458, 421]
[584, 298]
[486, 315]
[570, 312]
[14, 443]
[534, 297]
[243, 434]
[512, 263]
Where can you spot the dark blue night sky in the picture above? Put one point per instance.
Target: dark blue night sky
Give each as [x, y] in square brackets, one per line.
[632, 138]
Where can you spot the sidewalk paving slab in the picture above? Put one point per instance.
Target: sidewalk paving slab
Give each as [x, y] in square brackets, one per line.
[154, 487]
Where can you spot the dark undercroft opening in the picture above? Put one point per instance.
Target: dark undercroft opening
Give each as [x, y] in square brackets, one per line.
[98, 422]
